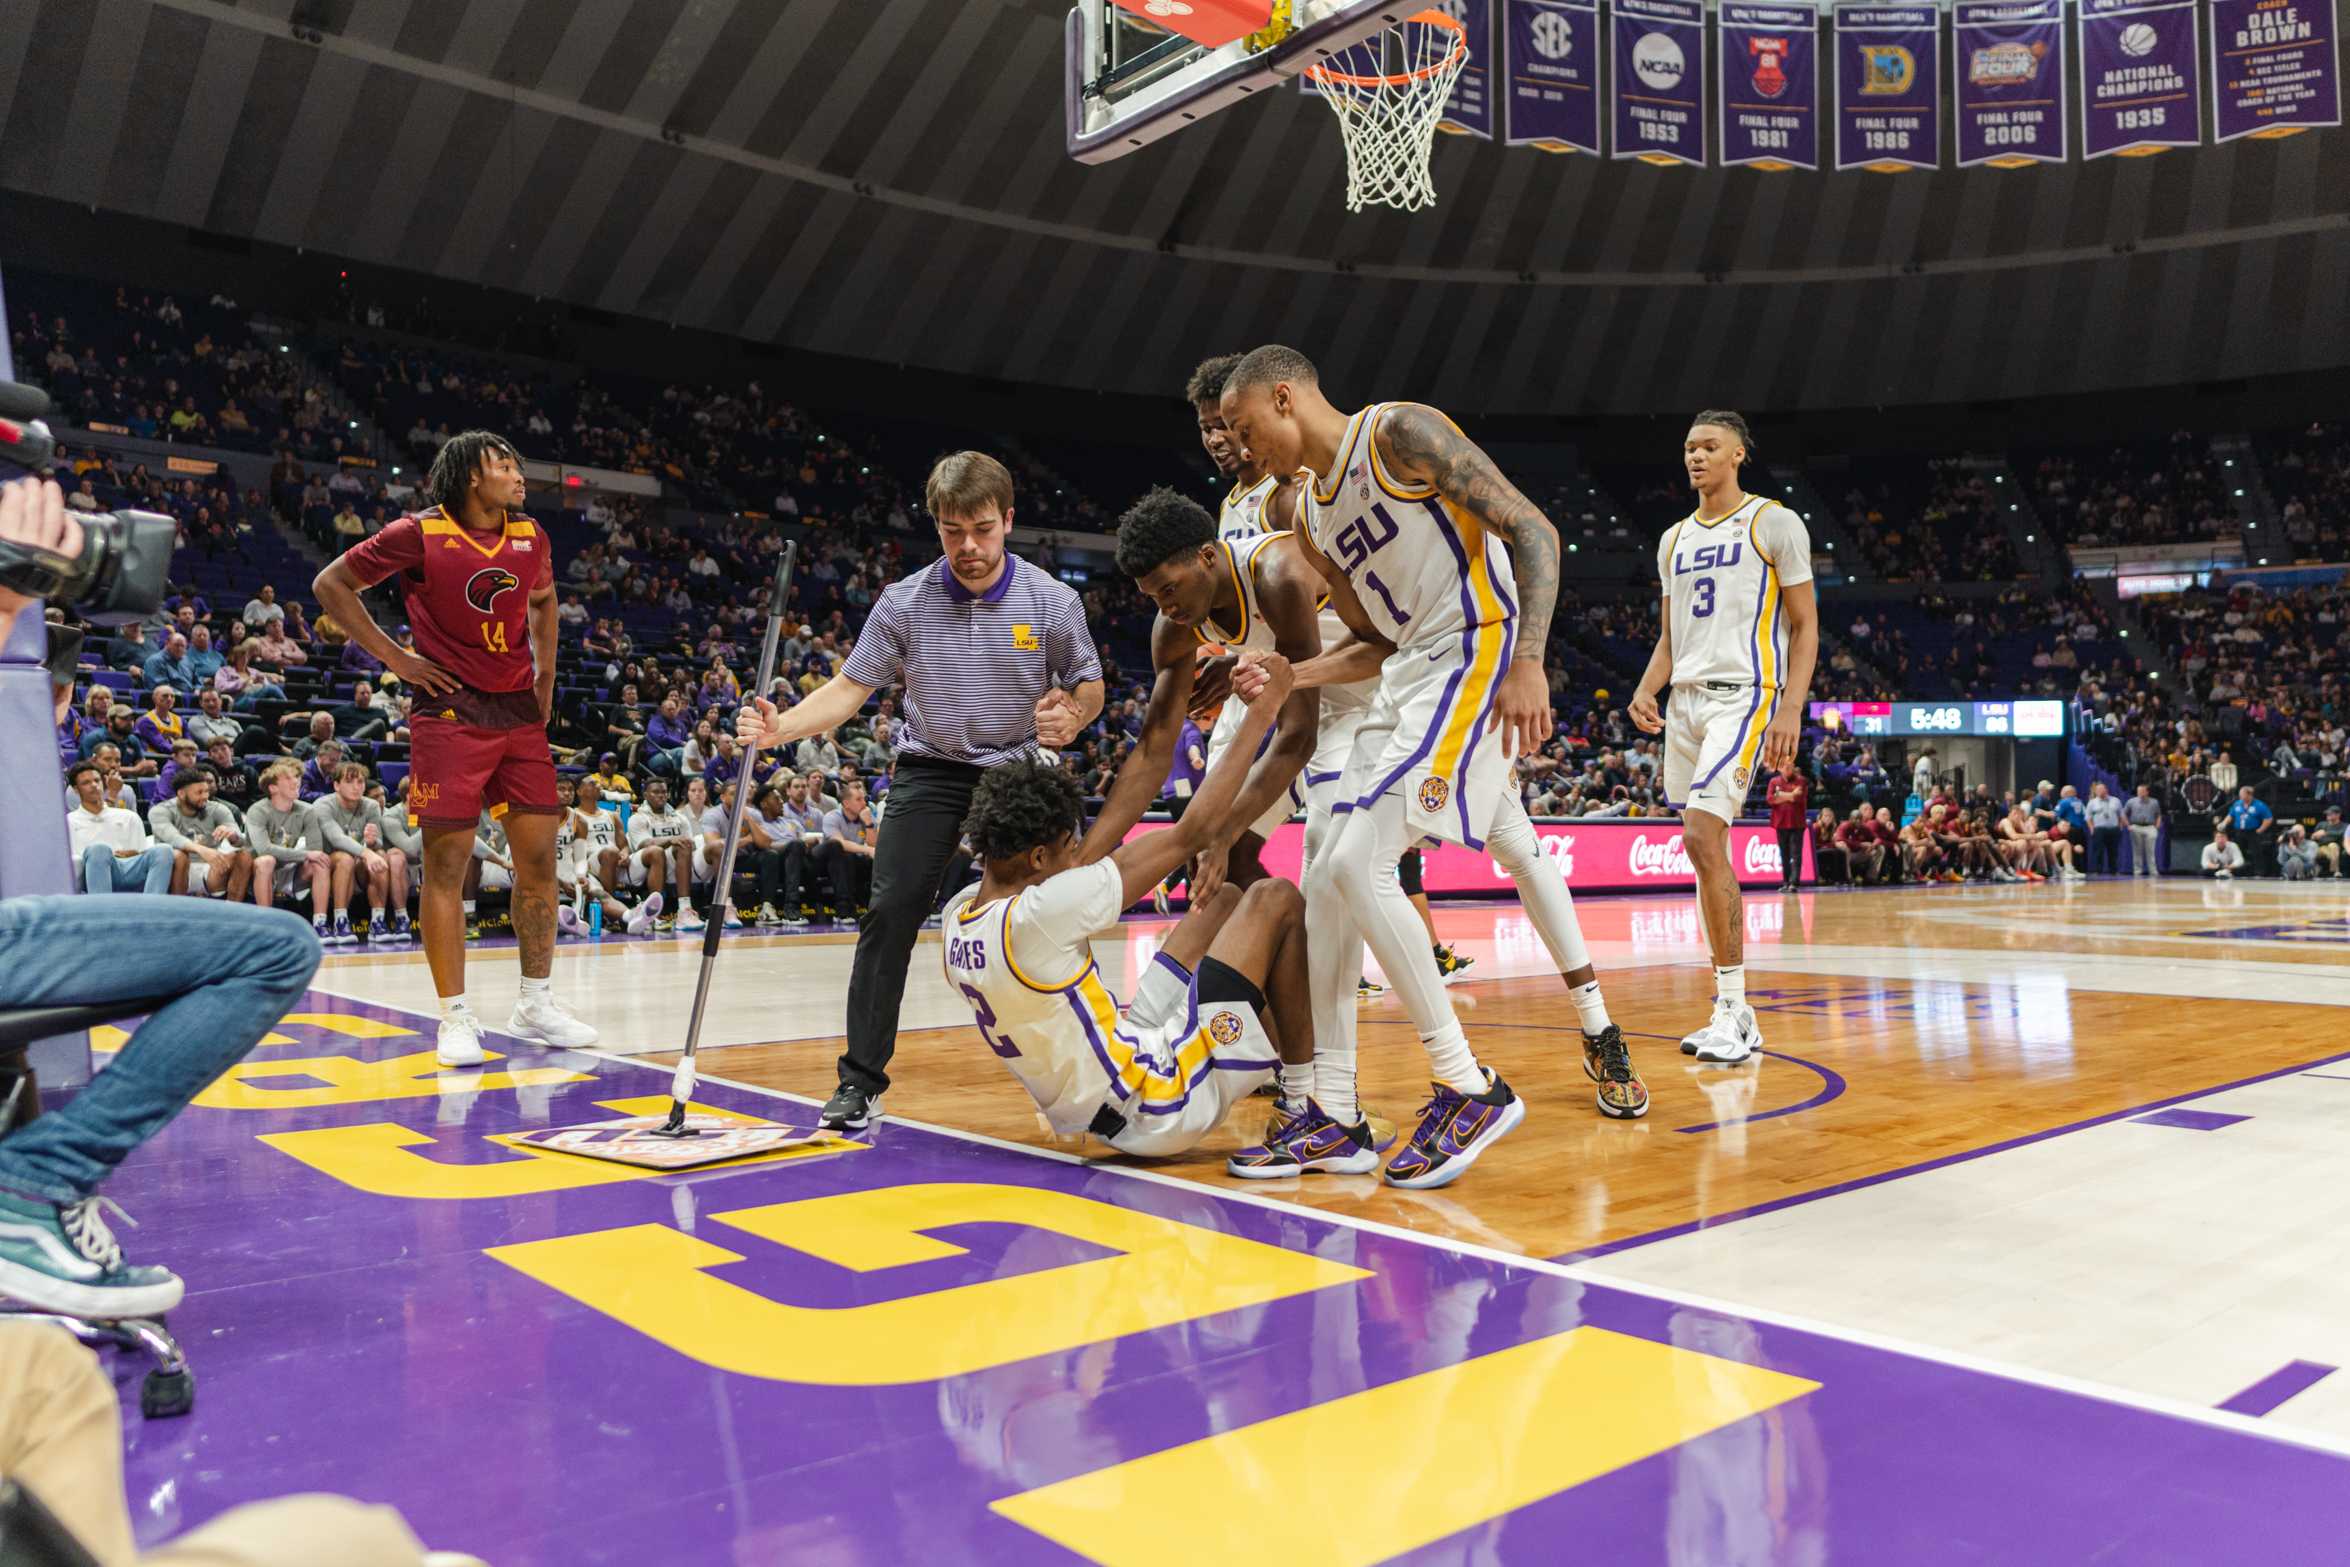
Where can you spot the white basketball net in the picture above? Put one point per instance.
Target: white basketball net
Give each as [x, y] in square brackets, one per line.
[1388, 117]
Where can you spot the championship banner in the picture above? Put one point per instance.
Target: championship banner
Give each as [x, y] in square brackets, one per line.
[1550, 58]
[2139, 64]
[2008, 80]
[1659, 54]
[1888, 87]
[1468, 109]
[1769, 104]
[2274, 70]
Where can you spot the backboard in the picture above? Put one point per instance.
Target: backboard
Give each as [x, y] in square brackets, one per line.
[1130, 82]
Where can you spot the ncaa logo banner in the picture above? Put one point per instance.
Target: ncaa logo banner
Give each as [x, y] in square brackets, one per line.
[1888, 87]
[2007, 75]
[1468, 108]
[1550, 58]
[1659, 54]
[2139, 70]
[1768, 81]
[2274, 70]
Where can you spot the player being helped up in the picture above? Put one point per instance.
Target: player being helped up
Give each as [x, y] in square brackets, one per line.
[1158, 1077]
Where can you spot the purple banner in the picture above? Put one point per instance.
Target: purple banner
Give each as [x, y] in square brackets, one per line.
[1769, 104]
[1659, 54]
[2273, 67]
[1468, 109]
[2007, 80]
[1888, 87]
[2139, 64]
[1550, 57]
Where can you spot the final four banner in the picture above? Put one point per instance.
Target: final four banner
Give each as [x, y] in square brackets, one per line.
[1769, 108]
[1550, 59]
[2273, 67]
[2140, 63]
[1888, 87]
[1659, 56]
[2008, 80]
[1468, 109]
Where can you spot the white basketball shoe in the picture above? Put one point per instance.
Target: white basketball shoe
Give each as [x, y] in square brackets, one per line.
[1731, 1035]
[460, 1041]
[544, 1021]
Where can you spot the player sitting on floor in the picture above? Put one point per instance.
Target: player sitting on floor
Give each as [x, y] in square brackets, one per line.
[1158, 1077]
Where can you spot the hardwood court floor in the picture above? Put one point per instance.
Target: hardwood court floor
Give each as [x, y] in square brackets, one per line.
[1901, 1028]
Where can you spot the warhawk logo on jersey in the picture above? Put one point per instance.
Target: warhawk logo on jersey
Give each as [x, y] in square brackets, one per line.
[1433, 794]
[484, 586]
[1224, 1027]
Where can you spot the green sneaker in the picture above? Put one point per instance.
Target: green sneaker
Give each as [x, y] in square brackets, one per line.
[62, 1257]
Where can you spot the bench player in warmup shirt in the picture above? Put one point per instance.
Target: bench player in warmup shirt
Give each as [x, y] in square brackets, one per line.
[478, 579]
[1155, 1078]
[1415, 532]
[1736, 643]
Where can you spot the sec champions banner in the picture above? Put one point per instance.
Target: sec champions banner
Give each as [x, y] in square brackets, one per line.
[1769, 105]
[1468, 110]
[1888, 87]
[2274, 69]
[2007, 80]
[1659, 54]
[1550, 58]
[2139, 64]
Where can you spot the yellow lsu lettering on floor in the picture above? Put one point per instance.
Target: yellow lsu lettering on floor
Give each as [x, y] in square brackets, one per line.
[344, 1081]
[1450, 1449]
[106, 1039]
[656, 1280]
[375, 1158]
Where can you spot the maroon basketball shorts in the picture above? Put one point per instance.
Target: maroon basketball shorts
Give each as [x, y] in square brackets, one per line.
[456, 771]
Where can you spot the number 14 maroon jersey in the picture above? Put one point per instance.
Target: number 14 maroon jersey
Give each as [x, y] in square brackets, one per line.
[468, 601]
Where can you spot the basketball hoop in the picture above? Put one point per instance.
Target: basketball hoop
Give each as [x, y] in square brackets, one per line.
[1389, 120]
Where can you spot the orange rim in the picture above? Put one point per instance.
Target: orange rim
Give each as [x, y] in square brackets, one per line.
[1460, 48]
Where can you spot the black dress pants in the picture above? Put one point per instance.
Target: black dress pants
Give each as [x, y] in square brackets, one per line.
[919, 831]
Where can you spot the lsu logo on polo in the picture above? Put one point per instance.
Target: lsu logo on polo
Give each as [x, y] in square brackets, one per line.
[1024, 638]
[1433, 793]
[1224, 1027]
[484, 586]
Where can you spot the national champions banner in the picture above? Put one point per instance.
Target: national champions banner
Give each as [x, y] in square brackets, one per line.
[1888, 87]
[2140, 69]
[1659, 57]
[2274, 69]
[2008, 82]
[1468, 108]
[1768, 112]
[1550, 61]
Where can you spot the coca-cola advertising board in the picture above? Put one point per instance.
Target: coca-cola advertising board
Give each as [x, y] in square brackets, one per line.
[1609, 855]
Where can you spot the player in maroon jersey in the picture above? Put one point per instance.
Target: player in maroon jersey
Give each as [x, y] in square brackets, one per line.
[480, 589]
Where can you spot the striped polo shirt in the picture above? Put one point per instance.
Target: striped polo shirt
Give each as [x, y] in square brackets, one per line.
[974, 665]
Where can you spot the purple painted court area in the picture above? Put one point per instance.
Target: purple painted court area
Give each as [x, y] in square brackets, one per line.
[369, 1344]
[2190, 1120]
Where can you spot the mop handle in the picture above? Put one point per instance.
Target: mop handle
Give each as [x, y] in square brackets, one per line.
[682, 1086]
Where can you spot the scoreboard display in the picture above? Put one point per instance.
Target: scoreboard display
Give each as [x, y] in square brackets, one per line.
[2036, 719]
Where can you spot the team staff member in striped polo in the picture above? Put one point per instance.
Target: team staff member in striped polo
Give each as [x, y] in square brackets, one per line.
[996, 660]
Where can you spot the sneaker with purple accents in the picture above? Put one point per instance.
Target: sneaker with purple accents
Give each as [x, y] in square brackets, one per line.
[1305, 1142]
[1454, 1129]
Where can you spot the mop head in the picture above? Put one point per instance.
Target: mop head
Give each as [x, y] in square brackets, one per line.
[636, 1140]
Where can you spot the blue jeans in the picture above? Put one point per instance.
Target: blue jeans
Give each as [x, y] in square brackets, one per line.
[255, 695]
[231, 972]
[147, 871]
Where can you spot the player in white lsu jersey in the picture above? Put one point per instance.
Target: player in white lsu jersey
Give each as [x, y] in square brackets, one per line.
[1154, 1078]
[1260, 500]
[1736, 640]
[1422, 542]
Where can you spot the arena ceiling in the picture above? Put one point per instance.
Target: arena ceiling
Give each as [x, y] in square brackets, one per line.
[885, 178]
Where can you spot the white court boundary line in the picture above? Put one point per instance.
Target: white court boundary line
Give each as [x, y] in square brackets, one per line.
[2149, 1403]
